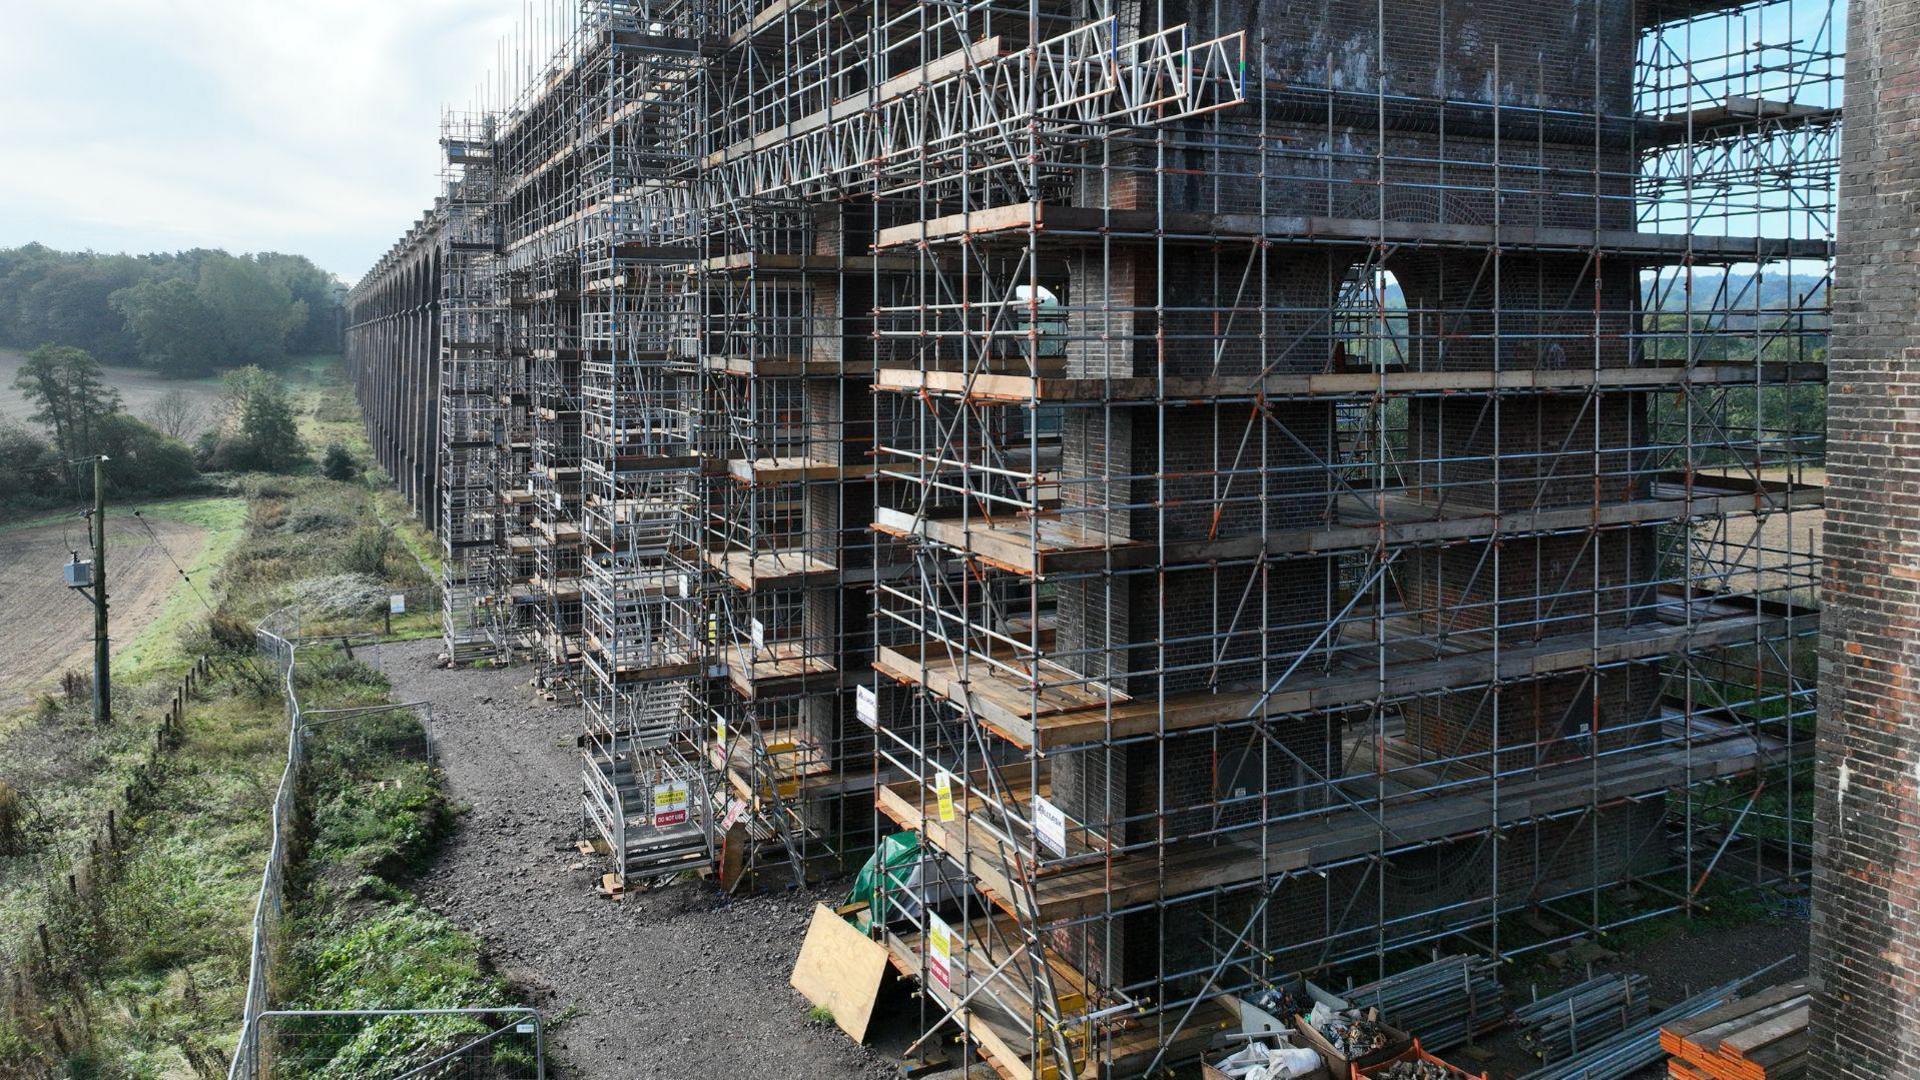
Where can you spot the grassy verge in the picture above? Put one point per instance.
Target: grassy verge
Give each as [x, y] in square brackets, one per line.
[155, 953]
[157, 649]
[376, 812]
[329, 415]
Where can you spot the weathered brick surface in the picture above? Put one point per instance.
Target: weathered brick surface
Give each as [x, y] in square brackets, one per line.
[1866, 1021]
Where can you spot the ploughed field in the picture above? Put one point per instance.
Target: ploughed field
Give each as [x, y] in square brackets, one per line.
[48, 628]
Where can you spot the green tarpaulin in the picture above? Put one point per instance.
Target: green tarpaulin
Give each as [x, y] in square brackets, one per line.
[895, 855]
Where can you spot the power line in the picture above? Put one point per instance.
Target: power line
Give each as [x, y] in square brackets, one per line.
[181, 570]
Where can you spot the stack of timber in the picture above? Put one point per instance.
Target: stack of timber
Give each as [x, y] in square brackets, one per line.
[1762, 1037]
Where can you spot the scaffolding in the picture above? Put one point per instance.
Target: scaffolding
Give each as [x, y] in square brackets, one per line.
[647, 788]
[785, 364]
[1252, 495]
[1345, 518]
[471, 346]
[517, 624]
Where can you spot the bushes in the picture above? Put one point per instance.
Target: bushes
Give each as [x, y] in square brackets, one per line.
[403, 956]
[83, 414]
[220, 634]
[376, 813]
[340, 597]
[142, 460]
[29, 470]
[305, 529]
[14, 820]
[385, 829]
[338, 464]
[260, 434]
[367, 552]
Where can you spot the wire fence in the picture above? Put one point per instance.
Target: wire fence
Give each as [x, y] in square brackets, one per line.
[442, 1044]
[503, 1043]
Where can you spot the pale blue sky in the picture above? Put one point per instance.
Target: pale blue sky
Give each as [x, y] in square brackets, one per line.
[306, 126]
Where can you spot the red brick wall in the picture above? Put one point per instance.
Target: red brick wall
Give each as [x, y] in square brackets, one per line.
[1866, 1022]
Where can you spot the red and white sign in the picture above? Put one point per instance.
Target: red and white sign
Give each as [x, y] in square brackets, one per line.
[943, 948]
[671, 801]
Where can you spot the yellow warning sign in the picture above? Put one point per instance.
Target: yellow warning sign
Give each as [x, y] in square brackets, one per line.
[943, 787]
[670, 802]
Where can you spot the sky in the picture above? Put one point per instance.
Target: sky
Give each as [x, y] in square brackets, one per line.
[305, 126]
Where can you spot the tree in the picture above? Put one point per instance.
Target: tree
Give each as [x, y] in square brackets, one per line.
[177, 414]
[63, 384]
[179, 335]
[183, 313]
[261, 433]
[141, 459]
[238, 388]
[268, 427]
[253, 311]
[29, 470]
[53, 297]
[319, 332]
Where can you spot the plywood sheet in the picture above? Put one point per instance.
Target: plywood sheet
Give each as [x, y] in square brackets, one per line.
[841, 970]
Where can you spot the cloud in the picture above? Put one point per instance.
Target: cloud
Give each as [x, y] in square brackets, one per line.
[291, 125]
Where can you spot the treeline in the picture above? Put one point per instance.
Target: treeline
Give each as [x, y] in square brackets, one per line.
[184, 315]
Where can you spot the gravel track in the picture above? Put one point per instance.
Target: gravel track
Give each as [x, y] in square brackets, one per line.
[678, 982]
[684, 982]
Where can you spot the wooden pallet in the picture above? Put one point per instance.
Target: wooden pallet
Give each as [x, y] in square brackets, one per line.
[1761, 1037]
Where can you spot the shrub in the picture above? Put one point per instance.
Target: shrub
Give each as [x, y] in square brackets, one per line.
[268, 514]
[308, 519]
[14, 817]
[339, 464]
[141, 459]
[339, 596]
[29, 469]
[367, 552]
[261, 435]
[220, 632]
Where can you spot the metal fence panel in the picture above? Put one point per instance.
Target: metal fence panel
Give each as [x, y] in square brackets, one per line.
[505, 1043]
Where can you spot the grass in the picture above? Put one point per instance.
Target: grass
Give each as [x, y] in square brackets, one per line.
[172, 951]
[329, 415]
[148, 961]
[156, 649]
[139, 979]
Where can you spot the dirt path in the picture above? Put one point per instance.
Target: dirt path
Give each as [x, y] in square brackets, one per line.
[676, 983]
[52, 627]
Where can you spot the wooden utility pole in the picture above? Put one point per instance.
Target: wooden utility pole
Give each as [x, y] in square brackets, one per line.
[102, 689]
